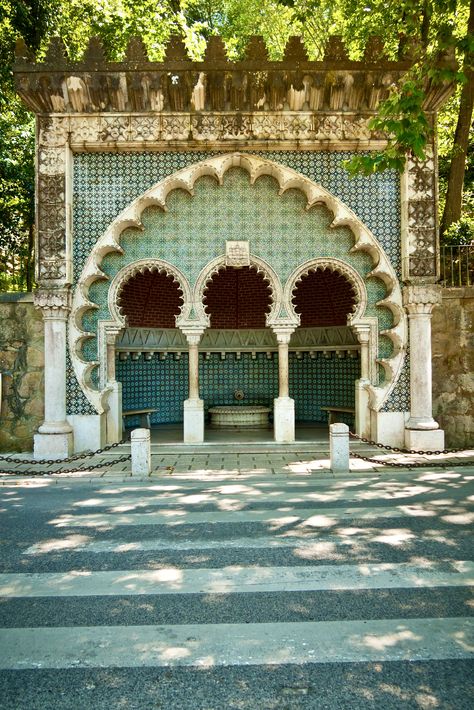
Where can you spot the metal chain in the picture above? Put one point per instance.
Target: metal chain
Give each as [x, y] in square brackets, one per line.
[399, 450]
[70, 459]
[105, 464]
[407, 464]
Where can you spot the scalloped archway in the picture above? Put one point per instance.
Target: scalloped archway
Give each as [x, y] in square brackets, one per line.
[193, 313]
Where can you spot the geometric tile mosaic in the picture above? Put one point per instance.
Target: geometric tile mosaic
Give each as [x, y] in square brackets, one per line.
[106, 183]
[163, 384]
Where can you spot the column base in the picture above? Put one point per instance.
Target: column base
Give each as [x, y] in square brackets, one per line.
[424, 440]
[422, 423]
[193, 426]
[53, 446]
[284, 420]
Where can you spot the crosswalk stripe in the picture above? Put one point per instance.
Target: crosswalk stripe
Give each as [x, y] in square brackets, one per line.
[172, 580]
[237, 644]
[286, 515]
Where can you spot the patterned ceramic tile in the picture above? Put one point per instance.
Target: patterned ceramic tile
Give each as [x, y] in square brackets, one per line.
[278, 228]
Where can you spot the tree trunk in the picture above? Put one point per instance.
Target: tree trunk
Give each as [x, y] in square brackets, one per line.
[453, 206]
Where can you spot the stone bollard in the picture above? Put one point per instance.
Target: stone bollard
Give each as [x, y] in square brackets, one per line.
[339, 447]
[141, 452]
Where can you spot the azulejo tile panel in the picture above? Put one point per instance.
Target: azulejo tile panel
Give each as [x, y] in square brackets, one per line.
[163, 384]
[278, 228]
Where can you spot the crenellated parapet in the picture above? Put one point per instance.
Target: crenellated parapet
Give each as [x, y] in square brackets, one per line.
[336, 84]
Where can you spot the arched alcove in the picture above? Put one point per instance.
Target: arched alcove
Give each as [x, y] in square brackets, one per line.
[150, 299]
[237, 298]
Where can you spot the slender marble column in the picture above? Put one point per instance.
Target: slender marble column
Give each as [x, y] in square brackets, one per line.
[54, 439]
[422, 431]
[362, 412]
[194, 405]
[284, 406]
[114, 414]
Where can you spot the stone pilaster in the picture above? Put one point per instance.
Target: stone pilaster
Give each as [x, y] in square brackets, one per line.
[54, 439]
[422, 432]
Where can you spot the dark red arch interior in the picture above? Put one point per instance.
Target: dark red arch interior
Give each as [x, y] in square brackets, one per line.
[237, 298]
[323, 298]
[151, 300]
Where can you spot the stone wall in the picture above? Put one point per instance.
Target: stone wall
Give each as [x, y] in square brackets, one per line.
[21, 366]
[453, 366]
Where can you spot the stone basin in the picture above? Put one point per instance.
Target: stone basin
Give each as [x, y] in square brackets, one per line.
[240, 416]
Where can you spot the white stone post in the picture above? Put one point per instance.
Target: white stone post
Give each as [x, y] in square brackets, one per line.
[362, 412]
[284, 406]
[54, 439]
[422, 431]
[193, 416]
[339, 447]
[141, 452]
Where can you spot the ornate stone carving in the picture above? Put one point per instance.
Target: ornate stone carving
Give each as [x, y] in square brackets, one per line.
[420, 219]
[53, 131]
[53, 303]
[420, 299]
[145, 128]
[52, 161]
[85, 129]
[114, 129]
[51, 245]
[237, 254]
[329, 128]
[175, 127]
[282, 312]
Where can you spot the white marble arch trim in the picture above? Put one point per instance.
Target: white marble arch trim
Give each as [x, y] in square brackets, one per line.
[184, 179]
[261, 266]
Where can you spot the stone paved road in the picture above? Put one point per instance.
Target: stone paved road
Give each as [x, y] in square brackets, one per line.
[217, 590]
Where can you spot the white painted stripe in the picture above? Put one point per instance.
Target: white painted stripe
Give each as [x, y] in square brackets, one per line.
[238, 579]
[231, 496]
[286, 515]
[237, 644]
[319, 544]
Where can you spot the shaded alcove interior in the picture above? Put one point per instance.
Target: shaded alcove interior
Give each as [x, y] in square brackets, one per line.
[151, 299]
[323, 298]
[237, 298]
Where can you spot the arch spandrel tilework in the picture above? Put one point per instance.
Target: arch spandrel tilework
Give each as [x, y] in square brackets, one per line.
[290, 236]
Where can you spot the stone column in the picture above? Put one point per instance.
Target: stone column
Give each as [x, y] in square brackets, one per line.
[284, 406]
[362, 415]
[114, 414]
[422, 432]
[193, 406]
[54, 439]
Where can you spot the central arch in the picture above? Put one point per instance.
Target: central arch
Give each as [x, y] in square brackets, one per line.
[193, 317]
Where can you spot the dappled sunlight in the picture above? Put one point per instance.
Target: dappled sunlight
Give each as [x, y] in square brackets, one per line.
[72, 542]
[395, 538]
[383, 641]
[318, 550]
[319, 521]
[461, 518]
[136, 581]
[277, 523]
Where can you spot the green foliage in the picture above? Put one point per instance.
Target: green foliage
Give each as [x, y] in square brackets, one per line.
[425, 27]
[461, 232]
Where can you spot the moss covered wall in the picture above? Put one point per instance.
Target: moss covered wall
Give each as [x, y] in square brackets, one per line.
[21, 365]
[453, 366]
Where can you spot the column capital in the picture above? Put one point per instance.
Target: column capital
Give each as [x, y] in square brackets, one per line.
[55, 303]
[362, 331]
[283, 333]
[193, 333]
[419, 299]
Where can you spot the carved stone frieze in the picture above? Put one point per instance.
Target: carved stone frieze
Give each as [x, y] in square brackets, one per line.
[114, 128]
[53, 131]
[237, 254]
[420, 218]
[51, 233]
[51, 161]
[85, 129]
[145, 128]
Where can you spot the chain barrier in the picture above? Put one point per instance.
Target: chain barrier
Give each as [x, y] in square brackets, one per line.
[399, 450]
[408, 464]
[70, 459]
[48, 472]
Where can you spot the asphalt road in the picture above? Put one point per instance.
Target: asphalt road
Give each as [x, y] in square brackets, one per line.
[248, 592]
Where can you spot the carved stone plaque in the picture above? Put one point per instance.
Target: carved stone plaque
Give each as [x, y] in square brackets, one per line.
[237, 254]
